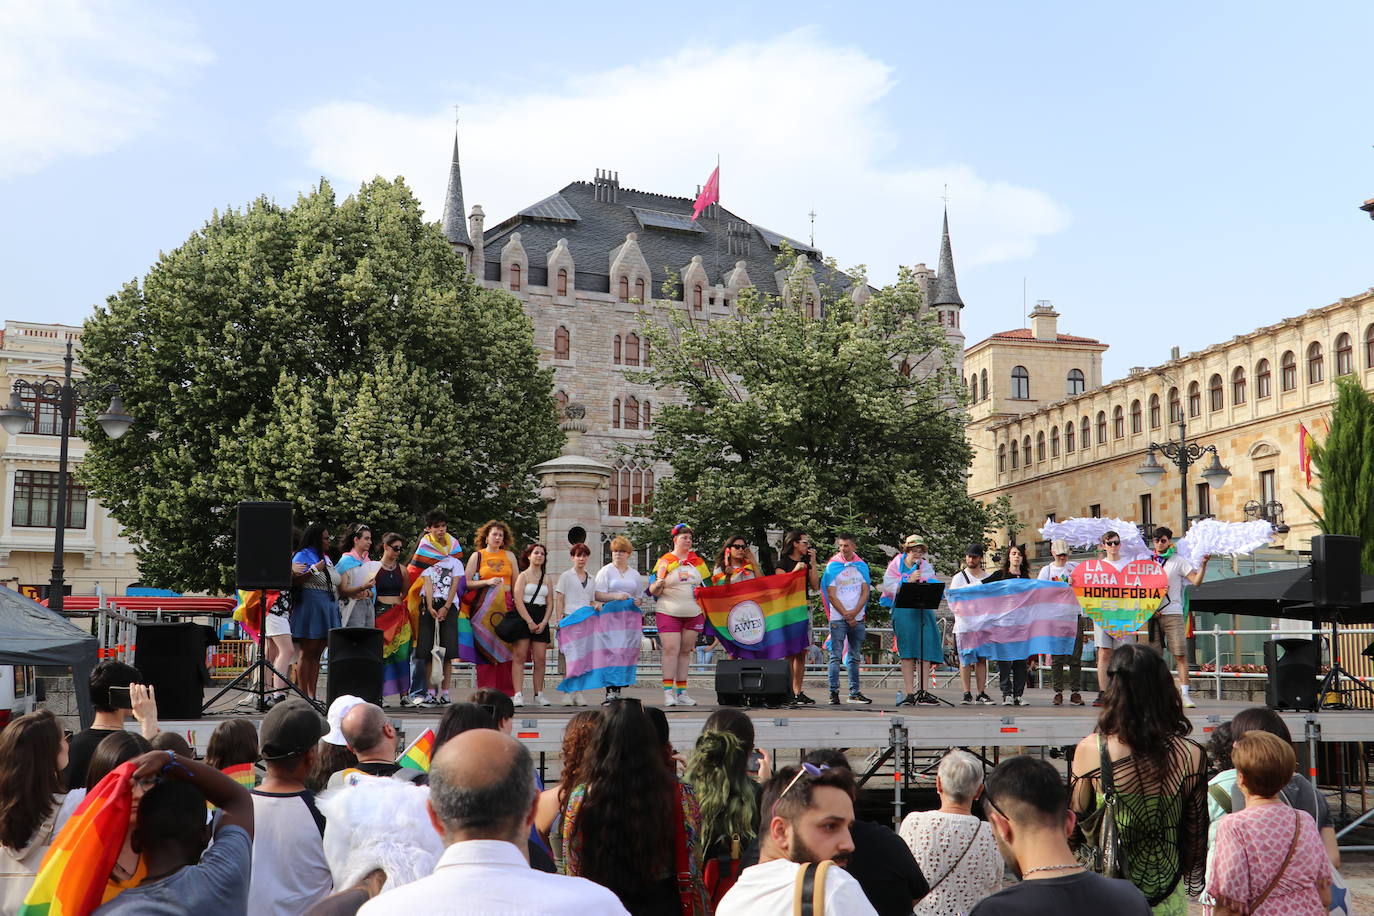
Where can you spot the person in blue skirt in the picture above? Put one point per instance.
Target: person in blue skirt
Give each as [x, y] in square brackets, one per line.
[918, 638]
[317, 610]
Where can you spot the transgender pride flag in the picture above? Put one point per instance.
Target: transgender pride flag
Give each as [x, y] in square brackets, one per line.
[1014, 619]
[601, 647]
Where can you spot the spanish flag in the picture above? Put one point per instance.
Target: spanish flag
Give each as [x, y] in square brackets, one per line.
[766, 617]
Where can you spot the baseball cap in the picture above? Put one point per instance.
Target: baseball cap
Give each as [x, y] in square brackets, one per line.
[1059, 548]
[291, 727]
[974, 550]
[913, 540]
[337, 710]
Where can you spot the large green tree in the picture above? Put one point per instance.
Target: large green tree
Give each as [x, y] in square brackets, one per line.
[332, 355]
[1345, 466]
[789, 421]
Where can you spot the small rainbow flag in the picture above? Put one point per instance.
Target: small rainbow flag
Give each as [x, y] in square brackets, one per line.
[245, 774]
[417, 755]
[72, 879]
[766, 617]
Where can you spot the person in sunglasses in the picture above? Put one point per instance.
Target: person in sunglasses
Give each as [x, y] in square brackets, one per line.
[1169, 625]
[1107, 643]
[390, 616]
[735, 563]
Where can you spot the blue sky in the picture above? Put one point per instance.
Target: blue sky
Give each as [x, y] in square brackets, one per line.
[1167, 175]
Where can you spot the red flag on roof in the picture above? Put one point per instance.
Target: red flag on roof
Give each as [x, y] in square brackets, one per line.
[709, 194]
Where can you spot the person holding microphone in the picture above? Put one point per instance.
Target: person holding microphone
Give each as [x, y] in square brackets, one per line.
[796, 550]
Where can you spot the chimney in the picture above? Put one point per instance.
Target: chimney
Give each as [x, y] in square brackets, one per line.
[1173, 354]
[1044, 321]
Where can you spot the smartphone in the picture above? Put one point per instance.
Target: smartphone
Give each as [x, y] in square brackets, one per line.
[755, 760]
[120, 699]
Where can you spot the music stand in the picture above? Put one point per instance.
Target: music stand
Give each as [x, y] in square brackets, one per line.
[921, 596]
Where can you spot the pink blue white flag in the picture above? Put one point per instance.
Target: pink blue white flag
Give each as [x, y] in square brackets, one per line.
[601, 646]
[1014, 619]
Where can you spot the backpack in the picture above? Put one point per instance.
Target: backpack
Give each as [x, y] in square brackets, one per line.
[721, 872]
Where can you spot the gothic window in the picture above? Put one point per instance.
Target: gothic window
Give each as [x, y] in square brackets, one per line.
[1316, 369]
[1369, 347]
[624, 285]
[1086, 429]
[810, 306]
[983, 379]
[1194, 399]
[1068, 437]
[906, 368]
[973, 388]
[632, 488]
[1102, 427]
[562, 282]
[1025, 451]
[1238, 386]
[1216, 398]
[1118, 423]
[1136, 424]
[1175, 407]
[696, 298]
[1077, 384]
[615, 350]
[1262, 382]
[562, 343]
[644, 351]
[644, 415]
[1014, 459]
[615, 414]
[1040, 446]
[639, 290]
[1288, 371]
[1154, 411]
[1001, 458]
[632, 349]
[515, 277]
[632, 413]
[1345, 355]
[1020, 383]
[1054, 441]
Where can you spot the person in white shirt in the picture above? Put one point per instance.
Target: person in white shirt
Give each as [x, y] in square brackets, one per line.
[1061, 570]
[973, 573]
[1170, 624]
[619, 581]
[576, 589]
[1107, 643]
[482, 801]
[807, 816]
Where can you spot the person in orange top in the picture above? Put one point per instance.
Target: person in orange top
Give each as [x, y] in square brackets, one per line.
[493, 563]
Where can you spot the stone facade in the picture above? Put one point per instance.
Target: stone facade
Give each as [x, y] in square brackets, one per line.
[1247, 396]
[96, 553]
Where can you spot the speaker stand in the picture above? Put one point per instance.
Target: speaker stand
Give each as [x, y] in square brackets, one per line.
[262, 667]
[1331, 683]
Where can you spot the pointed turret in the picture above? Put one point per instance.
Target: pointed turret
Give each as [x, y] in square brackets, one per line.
[946, 286]
[455, 215]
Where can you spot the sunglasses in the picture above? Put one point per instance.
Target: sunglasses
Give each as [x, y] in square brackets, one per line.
[396, 546]
[1158, 539]
[810, 770]
[738, 546]
[993, 805]
[1111, 543]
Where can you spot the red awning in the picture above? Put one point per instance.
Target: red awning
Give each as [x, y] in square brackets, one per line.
[151, 603]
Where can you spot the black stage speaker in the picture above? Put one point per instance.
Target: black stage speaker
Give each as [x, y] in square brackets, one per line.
[355, 664]
[263, 535]
[1335, 571]
[752, 681]
[1293, 674]
[171, 658]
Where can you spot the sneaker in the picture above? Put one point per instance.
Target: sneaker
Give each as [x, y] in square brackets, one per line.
[908, 700]
[1019, 701]
[984, 699]
[570, 699]
[444, 700]
[1188, 702]
[1006, 699]
[1098, 701]
[609, 699]
[928, 699]
[684, 700]
[1076, 698]
[834, 698]
[541, 700]
[1058, 699]
[579, 699]
[519, 699]
[968, 699]
[429, 701]
[669, 697]
[804, 700]
[858, 699]
[407, 700]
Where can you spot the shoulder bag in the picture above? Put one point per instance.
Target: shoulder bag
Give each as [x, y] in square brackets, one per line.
[808, 890]
[512, 626]
[692, 904]
[1264, 894]
[955, 867]
[1099, 848]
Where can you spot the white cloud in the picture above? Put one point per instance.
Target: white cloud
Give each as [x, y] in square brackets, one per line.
[796, 121]
[79, 78]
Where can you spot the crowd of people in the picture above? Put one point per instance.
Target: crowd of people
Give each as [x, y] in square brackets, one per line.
[314, 815]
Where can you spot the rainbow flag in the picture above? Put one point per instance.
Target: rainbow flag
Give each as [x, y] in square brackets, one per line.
[245, 774]
[248, 611]
[416, 757]
[396, 642]
[429, 551]
[1014, 619]
[669, 562]
[73, 877]
[478, 643]
[760, 618]
[601, 647]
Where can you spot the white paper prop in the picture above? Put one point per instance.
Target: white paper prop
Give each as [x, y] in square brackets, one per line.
[1087, 532]
[1210, 537]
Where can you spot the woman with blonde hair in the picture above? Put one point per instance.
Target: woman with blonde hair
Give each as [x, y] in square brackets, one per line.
[493, 564]
[619, 581]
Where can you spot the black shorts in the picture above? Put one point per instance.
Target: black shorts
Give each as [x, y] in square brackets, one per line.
[538, 613]
[447, 633]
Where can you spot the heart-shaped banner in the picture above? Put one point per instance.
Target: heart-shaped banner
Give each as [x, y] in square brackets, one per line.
[1120, 600]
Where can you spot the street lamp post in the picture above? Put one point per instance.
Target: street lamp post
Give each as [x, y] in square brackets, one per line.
[1182, 454]
[69, 396]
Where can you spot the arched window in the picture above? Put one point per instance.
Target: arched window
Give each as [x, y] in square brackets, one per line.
[644, 351]
[560, 398]
[1075, 382]
[1288, 371]
[639, 290]
[624, 286]
[1137, 421]
[1175, 408]
[515, 277]
[616, 356]
[1040, 446]
[1068, 437]
[1002, 458]
[1014, 459]
[1025, 451]
[973, 388]
[562, 281]
[1262, 379]
[1316, 369]
[648, 489]
[1194, 399]
[1154, 411]
[905, 368]
[562, 343]
[632, 413]
[1237, 386]
[810, 306]
[1369, 347]
[637, 489]
[632, 349]
[614, 507]
[1118, 423]
[983, 378]
[1020, 383]
[1345, 355]
[645, 417]
[696, 298]
[1054, 441]
[1086, 432]
[1216, 397]
[615, 414]
[1102, 427]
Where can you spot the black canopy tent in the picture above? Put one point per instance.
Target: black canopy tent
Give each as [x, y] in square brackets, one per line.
[30, 634]
[1284, 593]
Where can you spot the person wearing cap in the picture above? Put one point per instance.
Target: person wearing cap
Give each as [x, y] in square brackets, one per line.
[973, 573]
[289, 868]
[1061, 570]
[918, 637]
[677, 575]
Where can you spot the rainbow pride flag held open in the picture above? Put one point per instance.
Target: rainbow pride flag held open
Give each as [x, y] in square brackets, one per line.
[396, 643]
[417, 755]
[478, 643]
[601, 647]
[1014, 619]
[765, 617]
[73, 877]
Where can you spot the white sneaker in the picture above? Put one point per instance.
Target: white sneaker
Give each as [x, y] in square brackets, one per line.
[670, 698]
[541, 700]
[581, 700]
[684, 700]
[569, 699]
[1187, 700]
[518, 699]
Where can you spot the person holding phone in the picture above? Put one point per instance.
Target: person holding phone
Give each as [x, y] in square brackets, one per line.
[116, 695]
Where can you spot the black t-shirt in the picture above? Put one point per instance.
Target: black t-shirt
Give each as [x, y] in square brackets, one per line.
[1085, 892]
[80, 748]
[786, 564]
[884, 867]
[378, 768]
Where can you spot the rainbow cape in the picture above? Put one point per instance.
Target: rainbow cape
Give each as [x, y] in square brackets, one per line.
[760, 618]
[245, 774]
[482, 609]
[74, 874]
[429, 551]
[722, 577]
[397, 637]
[601, 647]
[416, 756]
[669, 562]
[1013, 619]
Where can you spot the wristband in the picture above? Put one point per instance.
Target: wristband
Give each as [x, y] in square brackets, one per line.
[171, 761]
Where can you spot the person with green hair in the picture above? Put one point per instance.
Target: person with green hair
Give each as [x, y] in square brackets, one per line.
[728, 796]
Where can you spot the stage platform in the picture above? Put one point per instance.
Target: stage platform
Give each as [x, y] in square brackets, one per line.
[1038, 724]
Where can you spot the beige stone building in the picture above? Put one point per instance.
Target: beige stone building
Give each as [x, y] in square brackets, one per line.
[1058, 454]
[95, 553]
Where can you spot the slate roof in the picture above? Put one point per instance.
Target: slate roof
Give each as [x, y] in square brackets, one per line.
[664, 229]
[946, 285]
[455, 217]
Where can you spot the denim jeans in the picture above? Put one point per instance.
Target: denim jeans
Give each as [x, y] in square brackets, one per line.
[840, 632]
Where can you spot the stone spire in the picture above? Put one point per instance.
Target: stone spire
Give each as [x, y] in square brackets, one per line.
[946, 286]
[455, 215]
